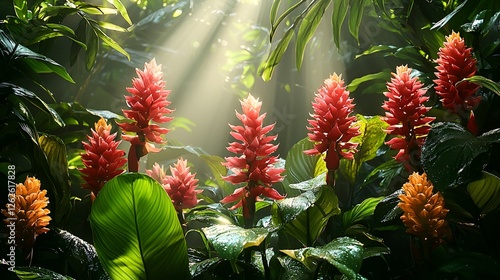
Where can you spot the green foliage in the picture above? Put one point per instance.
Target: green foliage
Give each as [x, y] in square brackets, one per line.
[452, 156]
[33, 272]
[136, 231]
[485, 192]
[360, 211]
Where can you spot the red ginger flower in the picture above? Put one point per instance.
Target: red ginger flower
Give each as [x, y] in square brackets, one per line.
[332, 126]
[455, 63]
[406, 114]
[424, 212]
[148, 103]
[180, 186]
[27, 212]
[254, 166]
[102, 158]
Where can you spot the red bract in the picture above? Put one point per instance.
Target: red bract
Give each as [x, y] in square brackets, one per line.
[181, 186]
[102, 158]
[254, 165]
[148, 103]
[455, 63]
[331, 127]
[406, 115]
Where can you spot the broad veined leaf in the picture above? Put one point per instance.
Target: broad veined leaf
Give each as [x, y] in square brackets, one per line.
[34, 272]
[55, 152]
[452, 156]
[307, 28]
[230, 240]
[382, 76]
[299, 167]
[305, 216]
[80, 255]
[136, 231]
[211, 214]
[311, 184]
[485, 192]
[369, 141]
[360, 211]
[345, 253]
[283, 266]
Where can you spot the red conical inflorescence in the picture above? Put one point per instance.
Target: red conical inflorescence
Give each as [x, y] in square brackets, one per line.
[102, 158]
[405, 114]
[254, 165]
[455, 63]
[331, 128]
[148, 108]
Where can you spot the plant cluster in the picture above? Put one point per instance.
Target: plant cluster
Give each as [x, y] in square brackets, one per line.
[411, 194]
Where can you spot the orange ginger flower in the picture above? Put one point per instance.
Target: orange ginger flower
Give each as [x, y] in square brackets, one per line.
[27, 212]
[424, 212]
[254, 165]
[102, 158]
[180, 186]
[406, 115]
[455, 63]
[332, 125]
[148, 108]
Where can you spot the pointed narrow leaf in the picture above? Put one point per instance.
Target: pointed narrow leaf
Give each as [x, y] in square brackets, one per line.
[136, 231]
[338, 17]
[382, 76]
[266, 69]
[448, 17]
[106, 39]
[376, 49]
[355, 17]
[485, 82]
[307, 28]
[121, 8]
[274, 10]
[485, 192]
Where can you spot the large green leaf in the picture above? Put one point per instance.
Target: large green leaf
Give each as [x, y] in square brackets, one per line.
[485, 192]
[345, 253]
[452, 156]
[360, 211]
[308, 27]
[338, 17]
[369, 141]
[305, 216]
[230, 240]
[55, 152]
[299, 167]
[355, 16]
[136, 231]
[38, 273]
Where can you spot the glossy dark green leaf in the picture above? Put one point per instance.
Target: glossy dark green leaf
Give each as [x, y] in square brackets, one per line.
[39, 273]
[452, 156]
[345, 253]
[299, 167]
[136, 231]
[307, 28]
[210, 214]
[80, 255]
[311, 184]
[355, 16]
[387, 171]
[369, 141]
[338, 17]
[230, 240]
[305, 216]
[360, 211]
[485, 192]
[484, 82]
[387, 209]
[468, 265]
[55, 152]
[370, 252]
[284, 267]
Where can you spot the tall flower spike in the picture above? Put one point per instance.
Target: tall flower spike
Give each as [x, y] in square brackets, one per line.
[181, 186]
[405, 114]
[455, 63]
[331, 128]
[102, 158]
[148, 107]
[424, 212]
[254, 166]
[29, 214]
